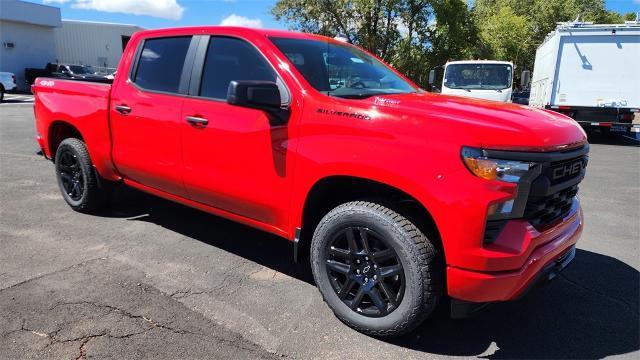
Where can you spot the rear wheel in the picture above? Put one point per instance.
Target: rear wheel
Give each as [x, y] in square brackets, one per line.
[1, 93]
[77, 179]
[375, 269]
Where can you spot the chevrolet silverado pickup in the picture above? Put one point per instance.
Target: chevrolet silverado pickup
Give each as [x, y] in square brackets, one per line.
[401, 198]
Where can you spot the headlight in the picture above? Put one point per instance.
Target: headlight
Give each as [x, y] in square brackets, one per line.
[494, 169]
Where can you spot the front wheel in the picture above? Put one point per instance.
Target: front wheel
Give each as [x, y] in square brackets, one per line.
[77, 179]
[375, 269]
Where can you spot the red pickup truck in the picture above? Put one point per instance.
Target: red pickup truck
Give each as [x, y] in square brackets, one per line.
[402, 197]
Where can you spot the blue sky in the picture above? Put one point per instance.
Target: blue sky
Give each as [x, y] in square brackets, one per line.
[167, 13]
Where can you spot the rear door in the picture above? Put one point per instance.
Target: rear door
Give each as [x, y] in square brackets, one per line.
[235, 159]
[145, 114]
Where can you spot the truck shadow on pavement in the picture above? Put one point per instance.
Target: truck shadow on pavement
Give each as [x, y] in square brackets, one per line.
[590, 311]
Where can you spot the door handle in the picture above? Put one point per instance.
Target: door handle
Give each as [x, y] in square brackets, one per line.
[197, 121]
[123, 109]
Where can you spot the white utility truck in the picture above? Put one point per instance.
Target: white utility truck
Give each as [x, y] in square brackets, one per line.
[482, 79]
[592, 74]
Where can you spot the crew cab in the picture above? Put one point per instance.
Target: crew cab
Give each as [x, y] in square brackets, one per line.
[402, 198]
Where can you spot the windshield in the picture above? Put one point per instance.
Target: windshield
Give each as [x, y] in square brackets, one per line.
[77, 69]
[341, 70]
[478, 76]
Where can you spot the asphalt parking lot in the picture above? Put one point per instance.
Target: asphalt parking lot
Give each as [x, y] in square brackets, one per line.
[148, 278]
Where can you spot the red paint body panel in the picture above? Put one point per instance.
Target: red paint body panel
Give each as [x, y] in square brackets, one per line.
[242, 167]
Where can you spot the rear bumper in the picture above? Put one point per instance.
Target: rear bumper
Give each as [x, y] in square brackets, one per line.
[557, 245]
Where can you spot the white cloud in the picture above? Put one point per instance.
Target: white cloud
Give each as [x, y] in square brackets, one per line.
[55, 1]
[166, 9]
[237, 20]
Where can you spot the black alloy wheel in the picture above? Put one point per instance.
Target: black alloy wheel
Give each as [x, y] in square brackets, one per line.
[365, 272]
[375, 269]
[81, 186]
[70, 173]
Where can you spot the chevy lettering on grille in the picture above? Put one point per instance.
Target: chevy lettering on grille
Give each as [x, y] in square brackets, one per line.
[568, 169]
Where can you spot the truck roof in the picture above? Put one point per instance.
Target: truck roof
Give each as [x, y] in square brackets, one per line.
[479, 61]
[234, 29]
[589, 28]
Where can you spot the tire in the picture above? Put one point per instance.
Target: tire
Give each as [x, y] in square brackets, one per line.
[1, 93]
[411, 294]
[77, 179]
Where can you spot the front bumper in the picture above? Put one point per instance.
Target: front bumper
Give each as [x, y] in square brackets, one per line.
[491, 286]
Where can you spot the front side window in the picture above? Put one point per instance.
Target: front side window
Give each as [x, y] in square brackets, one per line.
[230, 59]
[161, 62]
[341, 70]
[478, 76]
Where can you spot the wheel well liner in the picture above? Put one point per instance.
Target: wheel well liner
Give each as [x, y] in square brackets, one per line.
[58, 131]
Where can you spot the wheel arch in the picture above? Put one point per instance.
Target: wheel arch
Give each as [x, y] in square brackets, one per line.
[58, 131]
[330, 191]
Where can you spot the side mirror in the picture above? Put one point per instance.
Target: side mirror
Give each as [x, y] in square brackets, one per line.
[262, 95]
[432, 76]
[525, 77]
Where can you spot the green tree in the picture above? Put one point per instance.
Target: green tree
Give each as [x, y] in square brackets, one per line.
[512, 29]
[412, 35]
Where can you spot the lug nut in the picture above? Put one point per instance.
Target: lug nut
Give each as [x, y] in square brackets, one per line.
[358, 261]
[366, 258]
[375, 277]
[358, 271]
[366, 279]
[375, 266]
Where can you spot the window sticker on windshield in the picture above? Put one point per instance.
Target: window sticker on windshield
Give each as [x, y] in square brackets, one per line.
[357, 60]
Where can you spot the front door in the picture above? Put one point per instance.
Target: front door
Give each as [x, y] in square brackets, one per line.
[145, 116]
[233, 158]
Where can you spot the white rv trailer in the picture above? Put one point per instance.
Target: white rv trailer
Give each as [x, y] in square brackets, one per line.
[592, 74]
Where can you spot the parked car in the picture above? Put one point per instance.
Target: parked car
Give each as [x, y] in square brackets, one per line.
[7, 83]
[402, 197]
[73, 72]
[80, 72]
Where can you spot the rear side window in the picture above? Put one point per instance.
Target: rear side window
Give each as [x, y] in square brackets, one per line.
[161, 62]
[230, 59]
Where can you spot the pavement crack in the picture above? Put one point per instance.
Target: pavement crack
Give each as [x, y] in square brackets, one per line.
[181, 294]
[631, 308]
[83, 345]
[52, 273]
[129, 315]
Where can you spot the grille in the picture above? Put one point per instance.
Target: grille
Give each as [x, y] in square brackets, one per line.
[544, 211]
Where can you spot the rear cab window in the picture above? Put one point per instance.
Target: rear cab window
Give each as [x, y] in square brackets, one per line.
[160, 64]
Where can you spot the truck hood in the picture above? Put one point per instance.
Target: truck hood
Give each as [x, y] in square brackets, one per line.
[483, 123]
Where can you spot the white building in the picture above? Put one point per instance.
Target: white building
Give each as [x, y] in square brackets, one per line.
[32, 35]
[26, 36]
[92, 43]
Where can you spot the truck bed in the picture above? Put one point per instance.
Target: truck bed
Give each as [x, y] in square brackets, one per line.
[84, 105]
